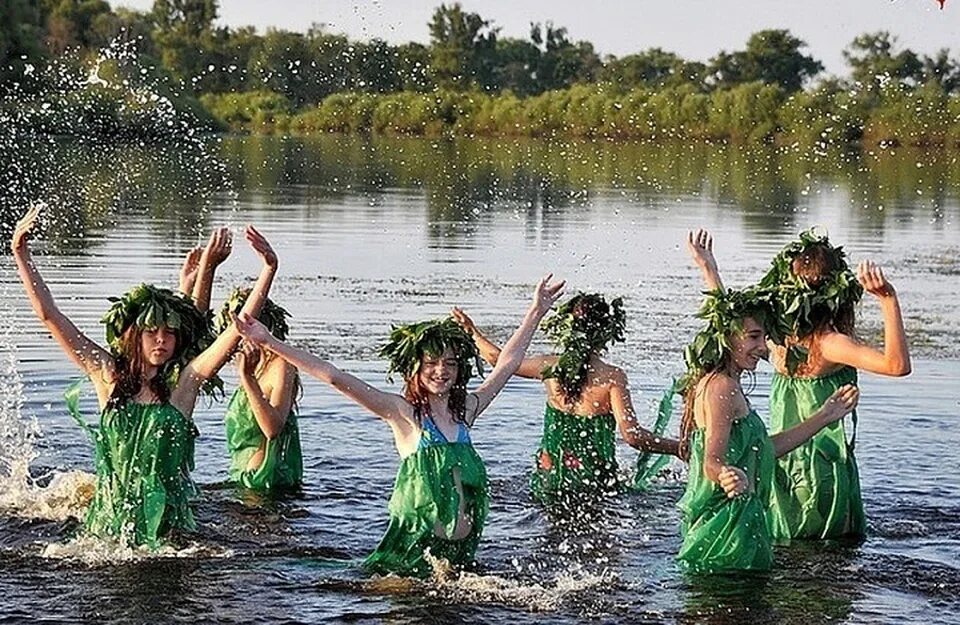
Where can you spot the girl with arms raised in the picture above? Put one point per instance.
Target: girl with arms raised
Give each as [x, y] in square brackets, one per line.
[816, 493]
[146, 385]
[440, 501]
[587, 400]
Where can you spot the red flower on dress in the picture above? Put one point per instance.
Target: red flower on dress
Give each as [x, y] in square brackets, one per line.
[571, 461]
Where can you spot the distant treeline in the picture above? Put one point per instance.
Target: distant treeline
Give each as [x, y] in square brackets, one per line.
[471, 80]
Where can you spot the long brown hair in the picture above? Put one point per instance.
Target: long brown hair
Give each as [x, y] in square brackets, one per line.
[129, 364]
[815, 264]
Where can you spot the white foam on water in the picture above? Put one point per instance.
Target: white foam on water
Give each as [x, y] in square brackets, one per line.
[92, 551]
[536, 596]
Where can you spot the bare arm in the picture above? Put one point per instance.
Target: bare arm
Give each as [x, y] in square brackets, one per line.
[387, 406]
[894, 360]
[632, 432]
[217, 250]
[270, 412]
[92, 359]
[700, 246]
[838, 405]
[512, 354]
[531, 367]
[210, 360]
[723, 404]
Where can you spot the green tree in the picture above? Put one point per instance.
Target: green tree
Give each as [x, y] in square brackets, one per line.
[654, 67]
[516, 67]
[873, 60]
[772, 57]
[463, 48]
[184, 36]
[562, 63]
[19, 38]
[942, 70]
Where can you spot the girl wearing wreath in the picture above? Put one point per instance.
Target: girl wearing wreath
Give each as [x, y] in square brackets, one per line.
[263, 437]
[730, 455]
[587, 401]
[440, 501]
[816, 493]
[146, 385]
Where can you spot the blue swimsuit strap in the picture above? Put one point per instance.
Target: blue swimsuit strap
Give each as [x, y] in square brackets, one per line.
[433, 432]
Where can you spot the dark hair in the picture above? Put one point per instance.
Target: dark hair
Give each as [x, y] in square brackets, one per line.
[815, 265]
[129, 364]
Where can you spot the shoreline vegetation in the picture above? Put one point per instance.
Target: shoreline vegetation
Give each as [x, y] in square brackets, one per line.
[469, 81]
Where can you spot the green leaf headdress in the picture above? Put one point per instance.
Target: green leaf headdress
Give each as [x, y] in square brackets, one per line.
[409, 343]
[147, 306]
[274, 317]
[801, 306]
[582, 325]
[724, 312]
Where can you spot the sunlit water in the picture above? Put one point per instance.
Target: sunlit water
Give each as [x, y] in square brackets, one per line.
[371, 233]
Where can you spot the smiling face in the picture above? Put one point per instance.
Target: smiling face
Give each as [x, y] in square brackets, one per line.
[749, 346]
[158, 345]
[438, 374]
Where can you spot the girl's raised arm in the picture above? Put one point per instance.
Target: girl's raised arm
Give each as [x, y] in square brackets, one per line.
[531, 367]
[894, 360]
[210, 360]
[387, 406]
[512, 354]
[216, 251]
[700, 246]
[86, 354]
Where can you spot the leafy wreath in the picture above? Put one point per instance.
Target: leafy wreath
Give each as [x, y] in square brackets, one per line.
[408, 343]
[272, 316]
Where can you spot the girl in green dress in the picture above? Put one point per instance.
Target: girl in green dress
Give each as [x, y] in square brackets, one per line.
[587, 401]
[439, 502]
[731, 457]
[263, 437]
[146, 384]
[816, 493]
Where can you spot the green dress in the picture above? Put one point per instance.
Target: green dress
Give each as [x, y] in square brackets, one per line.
[144, 455]
[816, 490]
[723, 534]
[282, 465]
[577, 457]
[425, 497]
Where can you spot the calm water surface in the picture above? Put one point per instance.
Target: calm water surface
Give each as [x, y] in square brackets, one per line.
[371, 233]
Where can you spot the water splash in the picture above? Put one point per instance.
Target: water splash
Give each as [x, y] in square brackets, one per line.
[94, 552]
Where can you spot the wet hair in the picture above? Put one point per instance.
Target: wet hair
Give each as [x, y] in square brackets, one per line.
[418, 396]
[816, 264]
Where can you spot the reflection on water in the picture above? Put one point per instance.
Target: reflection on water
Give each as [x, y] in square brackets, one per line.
[372, 232]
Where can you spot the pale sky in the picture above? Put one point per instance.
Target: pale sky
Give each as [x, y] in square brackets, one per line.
[694, 29]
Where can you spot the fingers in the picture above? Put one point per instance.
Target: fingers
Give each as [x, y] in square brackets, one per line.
[733, 481]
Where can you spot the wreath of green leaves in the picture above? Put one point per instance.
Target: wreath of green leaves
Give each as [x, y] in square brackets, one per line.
[724, 312]
[582, 325]
[798, 303]
[272, 316]
[146, 307]
[408, 344]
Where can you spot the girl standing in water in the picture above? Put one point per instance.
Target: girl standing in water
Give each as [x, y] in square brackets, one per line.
[587, 400]
[731, 456]
[263, 437]
[816, 493]
[146, 387]
[440, 501]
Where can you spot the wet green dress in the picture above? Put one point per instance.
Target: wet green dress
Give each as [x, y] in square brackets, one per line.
[282, 465]
[577, 457]
[722, 534]
[816, 490]
[144, 455]
[425, 498]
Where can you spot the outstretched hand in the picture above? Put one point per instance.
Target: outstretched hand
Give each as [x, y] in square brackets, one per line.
[874, 282]
[464, 320]
[841, 403]
[546, 294]
[733, 481]
[219, 245]
[250, 329]
[25, 227]
[261, 246]
[700, 246]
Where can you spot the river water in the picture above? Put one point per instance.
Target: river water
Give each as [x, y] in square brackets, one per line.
[374, 232]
